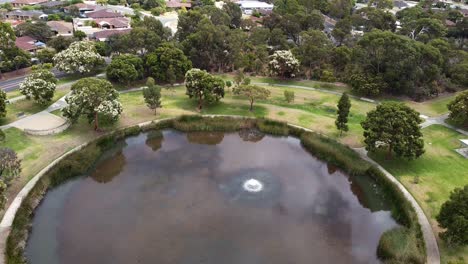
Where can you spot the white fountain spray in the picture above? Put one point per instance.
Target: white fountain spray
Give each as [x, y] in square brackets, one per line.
[253, 185]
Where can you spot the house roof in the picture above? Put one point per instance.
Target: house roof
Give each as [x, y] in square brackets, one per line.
[28, 2]
[449, 23]
[25, 43]
[53, 3]
[178, 4]
[60, 26]
[118, 22]
[105, 34]
[103, 13]
[82, 6]
[31, 13]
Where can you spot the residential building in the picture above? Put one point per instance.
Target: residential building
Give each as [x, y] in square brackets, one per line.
[82, 8]
[105, 34]
[21, 3]
[248, 7]
[25, 15]
[177, 4]
[29, 44]
[61, 28]
[103, 13]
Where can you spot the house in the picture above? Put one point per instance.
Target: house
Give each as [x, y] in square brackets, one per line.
[90, 25]
[21, 3]
[449, 23]
[248, 7]
[105, 34]
[61, 28]
[103, 13]
[82, 8]
[464, 12]
[25, 15]
[29, 44]
[53, 6]
[177, 4]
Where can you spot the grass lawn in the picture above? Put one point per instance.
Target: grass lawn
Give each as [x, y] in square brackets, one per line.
[27, 107]
[440, 170]
[434, 107]
[13, 94]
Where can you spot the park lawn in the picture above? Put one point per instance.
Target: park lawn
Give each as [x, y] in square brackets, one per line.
[13, 94]
[438, 171]
[28, 107]
[434, 107]
[306, 83]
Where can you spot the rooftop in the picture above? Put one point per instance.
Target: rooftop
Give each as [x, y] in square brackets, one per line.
[103, 35]
[103, 13]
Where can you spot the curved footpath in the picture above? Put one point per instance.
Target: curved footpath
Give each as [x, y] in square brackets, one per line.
[432, 250]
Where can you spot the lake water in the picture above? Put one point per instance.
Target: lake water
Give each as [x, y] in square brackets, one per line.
[212, 198]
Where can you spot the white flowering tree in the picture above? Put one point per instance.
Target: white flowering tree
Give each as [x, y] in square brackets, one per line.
[284, 64]
[40, 86]
[94, 98]
[203, 86]
[80, 57]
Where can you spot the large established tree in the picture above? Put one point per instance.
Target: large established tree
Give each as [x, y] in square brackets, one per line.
[167, 62]
[7, 35]
[314, 49]
[93, 98]
[453, 216]
[204, 87]
[252, 93]
[284, 64]
[152, 95]
[10, 165]
[459, 109]
[60, 43]
[3, 101]
[38, 30]
[343, 106]
[125, 68]
[39, 85]
[395, 127]
[234, 12]
[80, 57]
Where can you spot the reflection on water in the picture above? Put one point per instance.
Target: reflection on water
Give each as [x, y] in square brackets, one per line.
[177, 198]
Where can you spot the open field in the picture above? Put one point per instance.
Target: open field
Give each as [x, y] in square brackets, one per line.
[433, 176]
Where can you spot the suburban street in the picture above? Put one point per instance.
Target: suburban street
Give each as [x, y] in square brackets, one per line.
[13, 84]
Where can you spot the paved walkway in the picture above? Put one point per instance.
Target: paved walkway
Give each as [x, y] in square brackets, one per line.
[441, 120]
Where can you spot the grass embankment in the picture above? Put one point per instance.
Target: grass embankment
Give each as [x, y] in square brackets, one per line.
[432, 177]
[406, 246]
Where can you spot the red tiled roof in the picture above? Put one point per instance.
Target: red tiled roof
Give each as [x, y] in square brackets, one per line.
[118, 22]
[103, 13]
[25, 43]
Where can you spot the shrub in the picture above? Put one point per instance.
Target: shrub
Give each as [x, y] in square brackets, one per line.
[399, 245]
[289, 96]
[454, 217]
[273, 127]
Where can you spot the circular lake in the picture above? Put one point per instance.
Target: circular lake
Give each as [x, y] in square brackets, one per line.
[172, 197]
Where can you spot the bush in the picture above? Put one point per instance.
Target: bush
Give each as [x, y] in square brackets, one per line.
[273, 127]
[398, 245]
[188, 123]
[289, 96]
[454, 217]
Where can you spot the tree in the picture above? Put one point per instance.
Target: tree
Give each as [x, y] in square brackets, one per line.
[10, 165]
[152, 95]
[314, 49]
[125, 68]
[459, 109]
[342, 114]
[7, 35]
[203, 86]
[168, 60]
[60, 43]
[234, 12]
[394, 126]
[46, 55]
[38, 30]
[93, 98]
[253, 93]
[289, 96]
[453, 216]
[3, 101]
[239, 77]
[39, 85]
[80, 35]
[283, 63]
[80, 57]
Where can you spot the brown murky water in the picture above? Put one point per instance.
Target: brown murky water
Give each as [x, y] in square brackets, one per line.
[169, 197]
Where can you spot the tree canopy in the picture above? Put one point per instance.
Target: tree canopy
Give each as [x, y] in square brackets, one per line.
[395, 127]
[459, 109]
[39, 85]
[80, 57]
[252, 93]
[203, 86]
[453, 216]
[167, 62]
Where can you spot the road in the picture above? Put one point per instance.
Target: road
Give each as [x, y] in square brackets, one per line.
[13, 84]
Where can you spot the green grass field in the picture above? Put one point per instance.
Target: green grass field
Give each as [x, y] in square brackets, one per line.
[433, 176]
